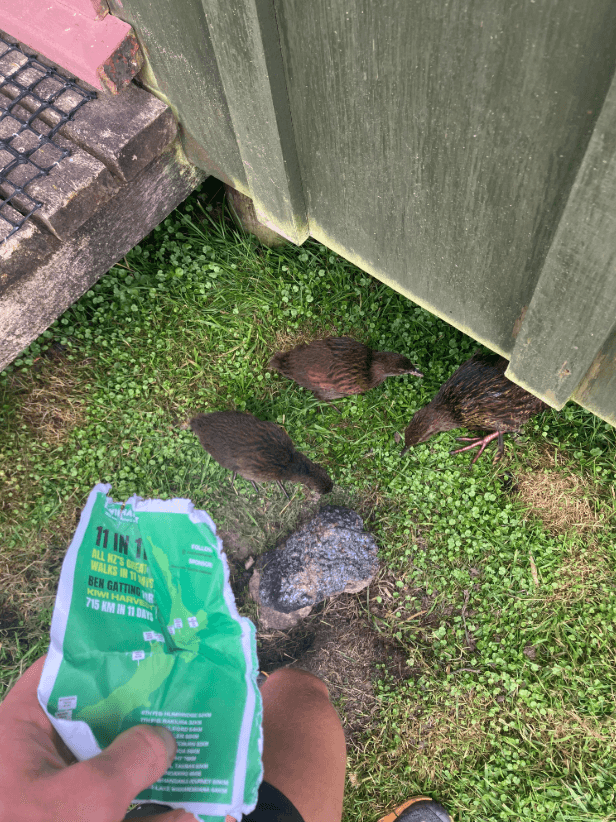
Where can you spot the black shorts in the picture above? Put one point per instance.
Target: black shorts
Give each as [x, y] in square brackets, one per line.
[273, 806]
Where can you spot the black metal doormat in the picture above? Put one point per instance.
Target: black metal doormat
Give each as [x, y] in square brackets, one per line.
[31, 97]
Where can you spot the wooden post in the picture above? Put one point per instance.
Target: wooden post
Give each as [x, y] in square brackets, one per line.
[244, 36]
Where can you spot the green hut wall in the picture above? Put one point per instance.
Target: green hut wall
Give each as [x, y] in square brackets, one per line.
[462, 152]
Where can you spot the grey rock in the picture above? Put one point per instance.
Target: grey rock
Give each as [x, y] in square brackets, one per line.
[329, 555]
[269, 618]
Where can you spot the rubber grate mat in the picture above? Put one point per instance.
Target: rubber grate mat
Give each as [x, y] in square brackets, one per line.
[35, 102]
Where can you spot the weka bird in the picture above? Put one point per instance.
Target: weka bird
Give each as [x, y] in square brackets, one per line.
[340, 366]
[257, 450]
[477, 395]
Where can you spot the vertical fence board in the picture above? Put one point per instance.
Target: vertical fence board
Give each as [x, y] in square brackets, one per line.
[597, 391]
[244, 35]
[183, 71]
[574, 305]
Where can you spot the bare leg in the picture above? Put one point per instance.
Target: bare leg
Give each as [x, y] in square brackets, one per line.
[304, 752]
[286, 493]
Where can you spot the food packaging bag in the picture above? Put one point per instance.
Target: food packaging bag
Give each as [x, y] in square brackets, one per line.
[145, 630]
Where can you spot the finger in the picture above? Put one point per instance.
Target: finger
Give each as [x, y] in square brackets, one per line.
[25, 729]
[108, 783]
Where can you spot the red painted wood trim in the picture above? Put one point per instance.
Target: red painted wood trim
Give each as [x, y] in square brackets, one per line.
[81, 44]
[95, 9]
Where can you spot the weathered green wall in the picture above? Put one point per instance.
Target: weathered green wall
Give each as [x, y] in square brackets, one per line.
[438, 141]
[183, 71]
[573, 309]
[463, 151]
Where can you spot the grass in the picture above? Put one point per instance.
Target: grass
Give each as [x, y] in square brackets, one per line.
[494, 612]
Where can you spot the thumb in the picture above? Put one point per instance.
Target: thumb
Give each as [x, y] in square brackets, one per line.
[108, 783]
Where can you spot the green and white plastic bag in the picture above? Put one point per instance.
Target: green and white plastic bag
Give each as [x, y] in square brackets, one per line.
[145, 630]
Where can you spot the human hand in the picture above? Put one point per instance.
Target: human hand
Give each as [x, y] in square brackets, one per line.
[41, 781]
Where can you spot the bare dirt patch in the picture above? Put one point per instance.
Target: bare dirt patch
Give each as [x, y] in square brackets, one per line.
[29, 581]
[585, 574]
[338, 644]
[564, 502]
[341, 643]
[575, 508]
[53, 396]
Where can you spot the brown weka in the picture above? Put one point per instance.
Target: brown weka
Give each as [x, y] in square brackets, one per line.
[340, 366]
[476, 396]
[257, 450]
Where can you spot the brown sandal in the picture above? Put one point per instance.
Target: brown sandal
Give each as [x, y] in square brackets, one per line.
[418, 809]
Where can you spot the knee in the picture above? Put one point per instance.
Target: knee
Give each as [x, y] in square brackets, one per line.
[299, 682]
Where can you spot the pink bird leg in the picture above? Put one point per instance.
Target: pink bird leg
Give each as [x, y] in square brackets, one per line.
[482, 442]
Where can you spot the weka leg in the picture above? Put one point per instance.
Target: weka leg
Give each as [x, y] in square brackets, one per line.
[286, 493]
[481, 442]
[325, 399]
[500, 448]
[234, 475]
[331, 404]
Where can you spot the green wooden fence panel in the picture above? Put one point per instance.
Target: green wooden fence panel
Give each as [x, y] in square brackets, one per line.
[597, 391]
[573, 309]
[438, 141]
[182, 70]
[462, 151]
[245, 40]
